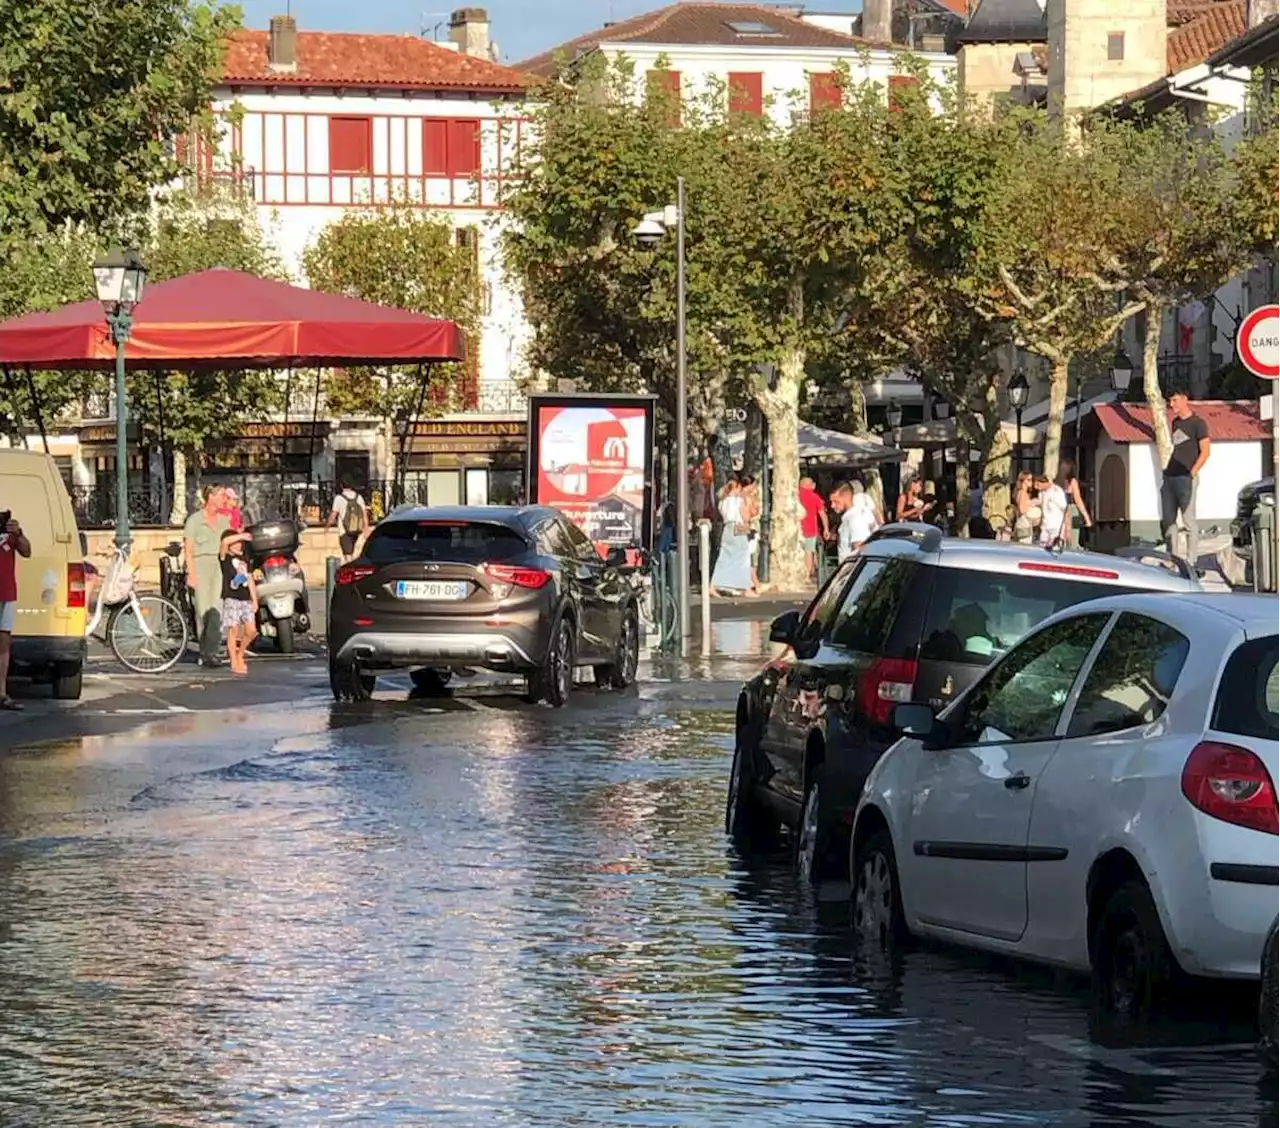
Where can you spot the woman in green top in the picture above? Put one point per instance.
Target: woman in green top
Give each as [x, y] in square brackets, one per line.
[201, 538]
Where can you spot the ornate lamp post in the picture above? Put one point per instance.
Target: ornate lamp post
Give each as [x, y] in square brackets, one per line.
[1121, 372]
[120, 278]
[1019, 390]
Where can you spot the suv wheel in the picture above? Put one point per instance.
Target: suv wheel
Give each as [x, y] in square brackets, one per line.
[621, 672]
[553, 682]
[814, 845]
[745, 820]
[348, 683]
[1133, 967]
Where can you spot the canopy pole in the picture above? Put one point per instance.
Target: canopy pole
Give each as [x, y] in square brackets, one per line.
[409, 426]
[12, 389]
[164, 472]
[311, 439]
[284, 428]
[35, 407]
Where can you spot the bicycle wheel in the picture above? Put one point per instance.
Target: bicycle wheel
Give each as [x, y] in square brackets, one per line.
[148, 634]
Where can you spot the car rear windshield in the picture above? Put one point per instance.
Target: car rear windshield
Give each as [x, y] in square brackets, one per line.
[1249, 694]
[974, 617]
[454, 542]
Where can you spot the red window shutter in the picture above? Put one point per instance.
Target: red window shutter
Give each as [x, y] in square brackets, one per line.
[746, 93]
[824, 92]
[898, 83]
[435, 147]
[665, 84]
[350, 144]
[464, 147]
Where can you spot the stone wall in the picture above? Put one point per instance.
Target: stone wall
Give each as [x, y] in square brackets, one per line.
[1081, 73]
[985, 70]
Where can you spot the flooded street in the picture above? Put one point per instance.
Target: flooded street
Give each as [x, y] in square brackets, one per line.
[470, 912]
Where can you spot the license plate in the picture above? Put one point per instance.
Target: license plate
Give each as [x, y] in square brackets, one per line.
[432, 589]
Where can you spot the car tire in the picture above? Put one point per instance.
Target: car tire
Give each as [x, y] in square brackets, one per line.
[746, 821]
[876, 899]
[553, 682]
[1132, 966]
[431, 682]
[348, 683]
[68, 682]
[284, 636]
[621, 672]
[1269, 1006]
[815, 846]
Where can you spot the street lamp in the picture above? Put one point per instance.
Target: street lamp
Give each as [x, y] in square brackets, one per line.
[648, 233]
[120, 278]
[1121, 373]
[941, 409]
[1019, 390]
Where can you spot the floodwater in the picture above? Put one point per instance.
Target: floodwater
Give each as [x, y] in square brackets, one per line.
[475, 913]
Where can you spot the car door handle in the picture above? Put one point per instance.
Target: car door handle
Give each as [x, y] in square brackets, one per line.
[1018, 782]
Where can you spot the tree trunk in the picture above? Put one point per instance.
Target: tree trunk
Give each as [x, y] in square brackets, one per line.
[178, 514]
[1059, 380]
[781, 407]
[1151, 382]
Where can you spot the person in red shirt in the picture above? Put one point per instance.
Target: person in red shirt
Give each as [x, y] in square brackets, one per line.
[13, 543]
[812, 520]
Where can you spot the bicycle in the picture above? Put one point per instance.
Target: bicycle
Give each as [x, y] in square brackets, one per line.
[174, 586]
[146, 633]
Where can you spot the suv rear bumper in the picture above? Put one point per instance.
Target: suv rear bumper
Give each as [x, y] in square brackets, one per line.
[493, 649]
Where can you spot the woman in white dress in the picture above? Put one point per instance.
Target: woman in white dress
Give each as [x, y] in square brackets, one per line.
[1054, 508]
[733, 564]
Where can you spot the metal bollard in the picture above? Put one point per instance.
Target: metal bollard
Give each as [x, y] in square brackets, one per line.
[704, 559]
[330, 571]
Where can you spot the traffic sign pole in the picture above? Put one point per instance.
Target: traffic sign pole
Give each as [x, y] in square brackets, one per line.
[1258, 347]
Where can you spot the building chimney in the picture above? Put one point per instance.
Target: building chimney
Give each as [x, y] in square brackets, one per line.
[469, 29]
[1259, 11]
[282, 44]
[877, 21]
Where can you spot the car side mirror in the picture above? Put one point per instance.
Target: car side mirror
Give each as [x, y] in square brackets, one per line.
[785, 628]
[913, 719]
[616, 557]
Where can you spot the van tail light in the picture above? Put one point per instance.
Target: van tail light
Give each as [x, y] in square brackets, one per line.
[885, 683]
[532, 578]
[350, 573]
[75, 585]
[1231, 784]
[275, 562]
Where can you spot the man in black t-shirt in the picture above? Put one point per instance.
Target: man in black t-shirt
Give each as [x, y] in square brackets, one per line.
[1177, 490]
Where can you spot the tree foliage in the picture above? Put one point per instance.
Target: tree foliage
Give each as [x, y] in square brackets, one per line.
[92, 94]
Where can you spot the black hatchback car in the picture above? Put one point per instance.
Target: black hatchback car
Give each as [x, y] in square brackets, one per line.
[501, 587]
[916, 616]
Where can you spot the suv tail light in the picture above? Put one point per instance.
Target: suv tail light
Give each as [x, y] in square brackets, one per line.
[75, 584]
[533, 578]
[350, 573]
[883, 684]
[1231, 784]
[276, 562]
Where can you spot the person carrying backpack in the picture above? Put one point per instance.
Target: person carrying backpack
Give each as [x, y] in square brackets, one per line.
[351, 515]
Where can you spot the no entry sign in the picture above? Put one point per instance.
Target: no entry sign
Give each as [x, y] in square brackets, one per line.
[1258, 342]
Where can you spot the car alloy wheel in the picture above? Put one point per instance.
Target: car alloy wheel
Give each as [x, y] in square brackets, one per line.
[877, 900]
[807, 843]
[560, 665]
[1133, 967]
[628, 651]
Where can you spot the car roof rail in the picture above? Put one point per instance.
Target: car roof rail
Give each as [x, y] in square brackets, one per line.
[1158, 557]
[929, 537]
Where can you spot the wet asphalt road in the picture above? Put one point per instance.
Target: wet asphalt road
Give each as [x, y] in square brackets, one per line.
[470, 912]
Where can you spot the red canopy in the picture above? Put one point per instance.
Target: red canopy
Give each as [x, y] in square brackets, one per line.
[225, 319]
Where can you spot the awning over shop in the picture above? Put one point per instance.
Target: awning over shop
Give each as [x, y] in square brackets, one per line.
[942, 432]
[226, 319]
[830, 448]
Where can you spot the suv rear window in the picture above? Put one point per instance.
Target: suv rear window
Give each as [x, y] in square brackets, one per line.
[455, 542]
[1249, 693]
[975, 617]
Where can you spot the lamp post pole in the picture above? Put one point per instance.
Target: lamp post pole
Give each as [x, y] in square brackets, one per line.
[120, 321]
[682, 428]
[1017, 442]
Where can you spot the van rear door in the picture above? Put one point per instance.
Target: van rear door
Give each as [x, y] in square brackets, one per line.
[42, 579]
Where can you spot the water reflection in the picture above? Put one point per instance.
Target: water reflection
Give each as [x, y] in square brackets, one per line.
[489, 915]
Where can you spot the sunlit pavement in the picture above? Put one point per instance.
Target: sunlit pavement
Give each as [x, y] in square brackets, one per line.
[231, 901]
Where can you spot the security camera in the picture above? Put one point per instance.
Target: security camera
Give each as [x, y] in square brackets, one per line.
[648, 232]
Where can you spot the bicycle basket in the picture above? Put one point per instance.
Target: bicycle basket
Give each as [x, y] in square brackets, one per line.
[117, 585]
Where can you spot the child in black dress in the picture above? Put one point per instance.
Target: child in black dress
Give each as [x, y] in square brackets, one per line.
[239, 599]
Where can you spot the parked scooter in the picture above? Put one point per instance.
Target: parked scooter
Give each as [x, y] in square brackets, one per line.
[283, 607]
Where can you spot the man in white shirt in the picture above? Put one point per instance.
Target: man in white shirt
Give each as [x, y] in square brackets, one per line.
[857, 517]
[351, 515]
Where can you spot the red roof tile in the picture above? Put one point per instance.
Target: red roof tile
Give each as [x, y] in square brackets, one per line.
[1227, 420]
[692, 23]
[338, 59]
[1196, 40]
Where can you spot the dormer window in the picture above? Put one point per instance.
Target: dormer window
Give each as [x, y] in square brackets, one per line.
[752, 29]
